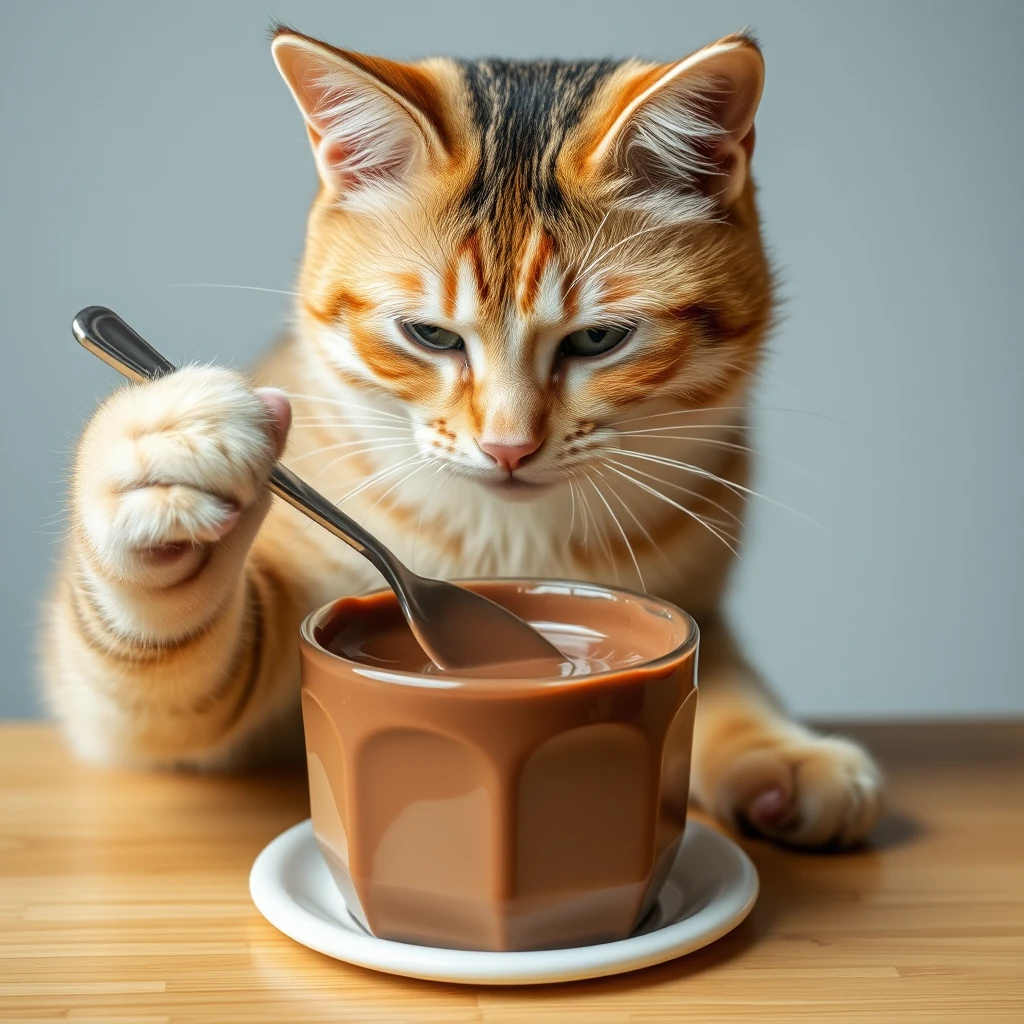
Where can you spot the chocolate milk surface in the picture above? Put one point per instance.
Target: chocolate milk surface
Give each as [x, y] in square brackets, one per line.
[501, 813]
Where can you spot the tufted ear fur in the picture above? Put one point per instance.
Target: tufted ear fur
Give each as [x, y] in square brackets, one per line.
[373, 123]
[684, 131]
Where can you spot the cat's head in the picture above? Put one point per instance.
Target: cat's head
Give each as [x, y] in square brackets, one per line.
[524, 254]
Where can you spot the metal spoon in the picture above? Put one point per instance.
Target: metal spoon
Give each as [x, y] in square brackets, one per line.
[459, 630]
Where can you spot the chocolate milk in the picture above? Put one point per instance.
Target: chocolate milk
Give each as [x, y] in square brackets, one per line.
[501, 813]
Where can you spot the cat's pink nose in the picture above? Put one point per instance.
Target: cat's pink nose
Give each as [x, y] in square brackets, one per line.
[510, 456]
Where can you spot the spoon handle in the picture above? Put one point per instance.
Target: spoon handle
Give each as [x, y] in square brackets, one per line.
[106, 335]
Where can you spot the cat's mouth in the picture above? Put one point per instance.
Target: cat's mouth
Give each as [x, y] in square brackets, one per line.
[512, 487]
[515, 487]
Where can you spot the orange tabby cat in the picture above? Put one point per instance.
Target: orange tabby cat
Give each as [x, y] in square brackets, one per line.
[531, 308]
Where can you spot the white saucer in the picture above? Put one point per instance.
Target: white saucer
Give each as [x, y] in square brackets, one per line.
[712, 887]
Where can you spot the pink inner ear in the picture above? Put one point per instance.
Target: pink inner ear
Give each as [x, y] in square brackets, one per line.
[365, 137]
[740, 73]
[733, 151]
[361, 131]
[353, 172]
[694, 133]
[736, 112]
[336, 155]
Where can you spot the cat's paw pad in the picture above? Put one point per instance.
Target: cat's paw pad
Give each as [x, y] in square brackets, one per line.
[176, 462]
[808, 791]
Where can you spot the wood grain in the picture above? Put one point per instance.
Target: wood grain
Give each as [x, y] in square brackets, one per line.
[123, 898]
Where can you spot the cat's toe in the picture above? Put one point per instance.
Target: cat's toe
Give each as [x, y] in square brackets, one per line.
[810, 791]
[768, 809]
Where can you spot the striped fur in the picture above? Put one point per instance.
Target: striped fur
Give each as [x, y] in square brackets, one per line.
[523, 113]
[510, 204]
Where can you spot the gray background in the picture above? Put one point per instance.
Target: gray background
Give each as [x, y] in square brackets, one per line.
[149, 145]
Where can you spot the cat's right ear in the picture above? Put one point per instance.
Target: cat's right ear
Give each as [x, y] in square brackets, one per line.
[371, 122]
[680, 136]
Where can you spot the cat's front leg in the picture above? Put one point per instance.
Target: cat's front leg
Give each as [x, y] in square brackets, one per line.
[754, 766]
[164, 635]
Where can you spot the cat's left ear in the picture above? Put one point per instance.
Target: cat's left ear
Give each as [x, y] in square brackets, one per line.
[675, 129]
[371, 121]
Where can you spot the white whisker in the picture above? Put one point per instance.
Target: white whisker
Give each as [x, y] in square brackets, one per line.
[625, 538]
[675, 427]
[370, 450]
[238, 287]
[346, 405]
[683, 412]
[605, 253]
[640, 525]
[368, 482]
[308, 422]
[663, 460]
[708, 475]
[345, 444]
[377, 478]
[602, 535]
[572, 519]
[751, 408]
[427, 461]
[583, 511]
[679, 487]
[345, 418]
[715, 443]
[590, 245]
[675, 504]
[439, 479]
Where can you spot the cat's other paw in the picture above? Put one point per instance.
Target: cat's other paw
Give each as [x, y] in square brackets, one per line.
[169, 467]
[807, 790]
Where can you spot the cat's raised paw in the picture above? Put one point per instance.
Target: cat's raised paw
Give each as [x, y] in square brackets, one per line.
[805, 790]
[176, 463]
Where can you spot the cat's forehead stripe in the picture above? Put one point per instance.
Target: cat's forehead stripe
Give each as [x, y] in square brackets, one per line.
[337, 304]
[410, 282]
[467, 294]
[523, 113]
[538, 254]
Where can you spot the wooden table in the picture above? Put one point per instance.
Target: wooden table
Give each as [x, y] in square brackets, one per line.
[123, 898]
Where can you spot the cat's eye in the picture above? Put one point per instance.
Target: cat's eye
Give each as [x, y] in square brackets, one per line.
[431, 336]
[594, 341]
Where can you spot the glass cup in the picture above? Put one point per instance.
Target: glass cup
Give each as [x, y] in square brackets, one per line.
[506, 814]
